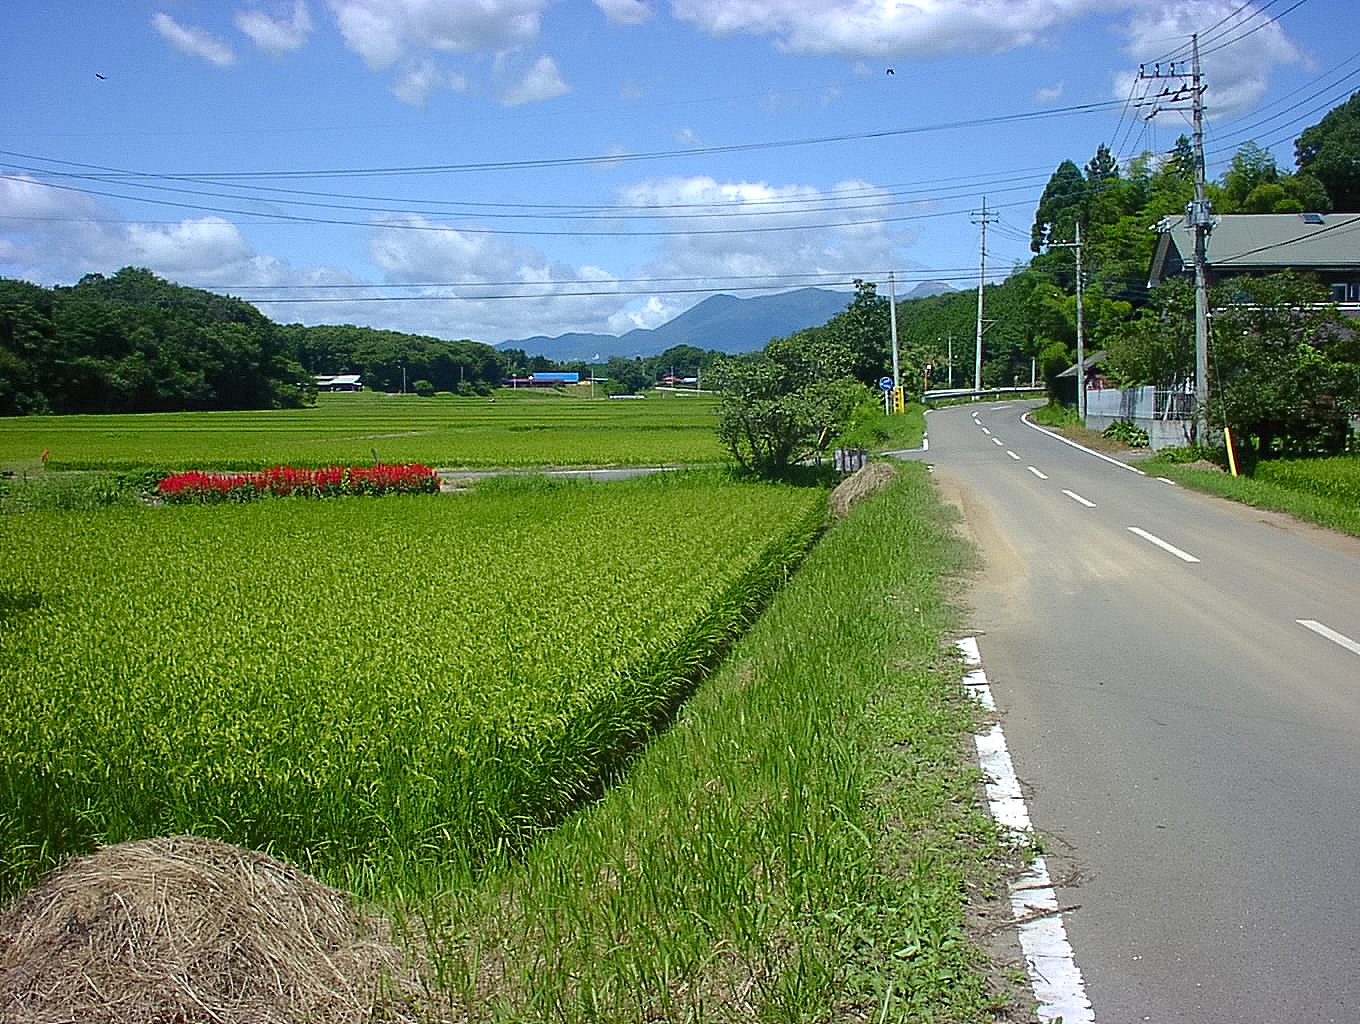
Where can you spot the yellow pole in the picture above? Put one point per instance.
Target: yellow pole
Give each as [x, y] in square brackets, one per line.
[1232, 458]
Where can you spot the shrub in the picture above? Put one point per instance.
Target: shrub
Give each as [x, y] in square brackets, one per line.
[1126, 433]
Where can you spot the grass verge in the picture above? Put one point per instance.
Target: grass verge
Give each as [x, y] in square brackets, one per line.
[801, 844]
[1336, 513]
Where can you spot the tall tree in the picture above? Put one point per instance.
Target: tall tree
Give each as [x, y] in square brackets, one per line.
[1329, 151]
[1254, 184]
[865, 332]
[1060, 207]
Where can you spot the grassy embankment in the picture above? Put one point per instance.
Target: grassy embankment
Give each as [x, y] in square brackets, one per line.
[802, 843]
[1323, 491]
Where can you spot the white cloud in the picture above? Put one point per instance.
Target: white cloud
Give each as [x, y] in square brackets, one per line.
[542, 81]
[58, 235]
[384, 31]
[423, 77]
[277, 36]
[487, 275]
[1051, 94]
[721, 232]
[193, 41]
[649, 314]
[886, 28]
[187, 249]
[625, 12]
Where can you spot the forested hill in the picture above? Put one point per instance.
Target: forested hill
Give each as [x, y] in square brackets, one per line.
[134, 342]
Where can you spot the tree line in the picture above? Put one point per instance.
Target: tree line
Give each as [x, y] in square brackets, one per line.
[134, 342]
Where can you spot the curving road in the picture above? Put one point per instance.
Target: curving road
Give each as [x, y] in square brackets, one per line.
[1179, 679]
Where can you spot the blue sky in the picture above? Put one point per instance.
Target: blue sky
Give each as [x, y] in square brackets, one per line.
[496, 169]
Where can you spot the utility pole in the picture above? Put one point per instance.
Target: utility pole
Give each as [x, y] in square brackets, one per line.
[984, 218]
[892, 318]
[1081, 333]
[1198, 214]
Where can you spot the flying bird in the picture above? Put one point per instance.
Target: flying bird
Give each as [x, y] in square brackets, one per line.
[100, 77]
[891, 71]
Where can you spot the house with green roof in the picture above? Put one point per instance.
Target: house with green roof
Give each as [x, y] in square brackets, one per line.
[1326, 245]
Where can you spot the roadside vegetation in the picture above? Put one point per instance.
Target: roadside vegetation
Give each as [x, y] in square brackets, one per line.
[800, 845]
[1322, 491]
[597, 752]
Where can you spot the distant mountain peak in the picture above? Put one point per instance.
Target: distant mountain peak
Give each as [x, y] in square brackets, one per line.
[722, 322]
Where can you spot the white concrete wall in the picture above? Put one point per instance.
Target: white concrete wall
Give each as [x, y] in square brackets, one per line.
[1139, 407]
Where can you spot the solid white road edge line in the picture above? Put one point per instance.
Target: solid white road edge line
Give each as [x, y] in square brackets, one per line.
[1080, 447]
[1053, 971]
[1340, 639]
[1184, 556]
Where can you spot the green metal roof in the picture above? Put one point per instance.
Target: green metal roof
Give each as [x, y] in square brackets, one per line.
[1275, 240]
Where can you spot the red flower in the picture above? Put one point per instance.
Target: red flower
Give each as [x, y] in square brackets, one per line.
[288, 481]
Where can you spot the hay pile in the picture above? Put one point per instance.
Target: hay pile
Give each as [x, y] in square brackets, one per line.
[187, 930]
[863, 482]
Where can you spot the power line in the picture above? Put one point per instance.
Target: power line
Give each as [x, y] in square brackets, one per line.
[609, 159]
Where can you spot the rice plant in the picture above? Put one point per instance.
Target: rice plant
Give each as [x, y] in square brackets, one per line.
[365, 687]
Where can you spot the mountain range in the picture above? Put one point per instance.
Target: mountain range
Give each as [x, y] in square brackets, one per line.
[722, 323]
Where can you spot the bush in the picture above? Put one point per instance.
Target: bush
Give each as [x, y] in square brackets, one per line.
[1194, 453]
[1126, 433]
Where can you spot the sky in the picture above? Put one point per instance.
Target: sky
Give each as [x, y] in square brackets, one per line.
[500, 169]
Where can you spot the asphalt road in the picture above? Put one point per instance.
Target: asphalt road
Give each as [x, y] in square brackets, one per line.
[1190, 750]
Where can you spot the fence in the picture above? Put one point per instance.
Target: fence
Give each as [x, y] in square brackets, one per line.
[1165, 413]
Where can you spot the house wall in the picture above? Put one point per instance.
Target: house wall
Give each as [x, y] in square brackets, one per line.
[1165, 415]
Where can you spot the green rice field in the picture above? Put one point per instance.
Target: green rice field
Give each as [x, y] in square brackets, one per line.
[518, 429]
[362, 685]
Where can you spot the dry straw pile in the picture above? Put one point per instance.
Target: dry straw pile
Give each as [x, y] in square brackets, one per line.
[185, 929]
[870, 480]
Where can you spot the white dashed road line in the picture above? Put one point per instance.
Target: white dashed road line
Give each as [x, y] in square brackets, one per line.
[1340, 639]
[1184, 556]
[1079, 499]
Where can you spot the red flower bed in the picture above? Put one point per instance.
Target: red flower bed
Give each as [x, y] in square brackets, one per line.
[287, 481]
